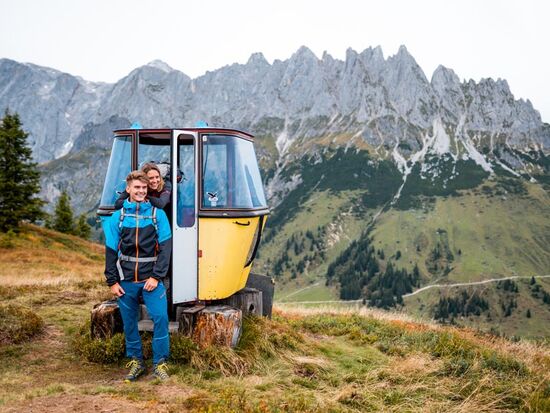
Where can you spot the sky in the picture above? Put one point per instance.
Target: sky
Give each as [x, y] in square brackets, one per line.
[104, 40]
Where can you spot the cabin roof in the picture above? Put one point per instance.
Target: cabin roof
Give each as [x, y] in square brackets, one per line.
[170, 130]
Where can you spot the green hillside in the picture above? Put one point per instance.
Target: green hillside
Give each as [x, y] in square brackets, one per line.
[488, 236]
[300, 361]
[452, 221]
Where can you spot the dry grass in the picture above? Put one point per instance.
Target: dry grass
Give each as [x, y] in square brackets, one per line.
[304, 360]
[41, 257]
[291, 309]
[535, 355]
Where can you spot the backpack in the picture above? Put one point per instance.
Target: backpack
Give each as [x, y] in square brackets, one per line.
[153, 216]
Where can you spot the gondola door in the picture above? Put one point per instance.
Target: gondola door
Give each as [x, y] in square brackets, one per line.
[184, 217]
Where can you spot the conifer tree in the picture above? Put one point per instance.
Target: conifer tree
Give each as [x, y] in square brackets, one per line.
[63, 220]
[83, 229]
[19, 176]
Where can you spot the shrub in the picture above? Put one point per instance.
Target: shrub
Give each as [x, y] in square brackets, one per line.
[261, 339]
[104, 351]
[7, 240]
[18, 324]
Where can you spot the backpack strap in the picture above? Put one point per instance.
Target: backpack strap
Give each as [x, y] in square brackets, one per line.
[123, 257]
[154, 218]
[122, 215]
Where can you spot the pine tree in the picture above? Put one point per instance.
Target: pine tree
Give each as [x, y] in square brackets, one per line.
[19, 177]
[83, 229]
[63, 215]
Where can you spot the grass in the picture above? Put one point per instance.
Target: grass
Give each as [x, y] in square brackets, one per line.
[314, 292]
[515, 325]
[323, 209]
[18, 324]
[48, 258]
[303, 360]
[489, 236]
[495, 237]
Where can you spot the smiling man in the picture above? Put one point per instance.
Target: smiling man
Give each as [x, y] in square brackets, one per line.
[138, 244]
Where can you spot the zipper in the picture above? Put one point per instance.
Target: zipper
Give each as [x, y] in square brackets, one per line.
[137, 243]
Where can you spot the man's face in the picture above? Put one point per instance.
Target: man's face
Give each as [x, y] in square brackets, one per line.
[137, 190]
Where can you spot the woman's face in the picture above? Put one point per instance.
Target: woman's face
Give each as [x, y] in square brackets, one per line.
[154, 179]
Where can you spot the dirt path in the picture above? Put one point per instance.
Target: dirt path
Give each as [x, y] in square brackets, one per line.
[410, 294]
[78, 403]
[49, 378]
[471, 283]
[299, 291]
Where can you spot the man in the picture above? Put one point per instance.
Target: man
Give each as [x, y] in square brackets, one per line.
[137, 255]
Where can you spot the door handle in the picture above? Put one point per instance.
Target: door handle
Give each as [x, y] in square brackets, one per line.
[241, 223]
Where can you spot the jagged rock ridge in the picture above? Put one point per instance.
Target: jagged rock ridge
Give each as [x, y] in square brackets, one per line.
[388, 104]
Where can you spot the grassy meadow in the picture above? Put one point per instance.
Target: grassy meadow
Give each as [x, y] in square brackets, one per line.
[332, 359]
[497, 229]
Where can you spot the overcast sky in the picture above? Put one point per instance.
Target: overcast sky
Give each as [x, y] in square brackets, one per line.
[103, 40]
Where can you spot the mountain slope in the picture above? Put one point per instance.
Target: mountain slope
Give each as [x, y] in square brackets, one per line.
[302, 360]
[365, 147]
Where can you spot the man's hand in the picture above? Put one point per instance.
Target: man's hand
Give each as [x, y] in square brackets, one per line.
[117, 290]
[150, 284]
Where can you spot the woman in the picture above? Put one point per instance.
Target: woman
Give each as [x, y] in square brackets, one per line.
[158, 190]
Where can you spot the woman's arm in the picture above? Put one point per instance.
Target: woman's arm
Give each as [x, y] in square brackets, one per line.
[164, 197]
[120, 201]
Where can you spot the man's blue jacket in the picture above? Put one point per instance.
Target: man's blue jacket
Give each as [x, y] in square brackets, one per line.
[137, 245]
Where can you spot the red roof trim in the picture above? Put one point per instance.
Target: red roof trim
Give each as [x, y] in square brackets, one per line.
[198, 130]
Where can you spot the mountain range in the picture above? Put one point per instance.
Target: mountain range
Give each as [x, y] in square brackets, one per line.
[364, 150]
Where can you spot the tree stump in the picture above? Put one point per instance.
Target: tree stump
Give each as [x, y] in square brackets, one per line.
[221, 325]
[106, 320]
[187, 317]
[248, 300]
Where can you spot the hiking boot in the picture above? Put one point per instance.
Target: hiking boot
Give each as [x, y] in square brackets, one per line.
[160, 371]
[137, 368]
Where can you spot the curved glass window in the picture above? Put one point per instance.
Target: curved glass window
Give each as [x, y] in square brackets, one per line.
[155, 149]
[120, 166]
[230, 174]
[186, 184]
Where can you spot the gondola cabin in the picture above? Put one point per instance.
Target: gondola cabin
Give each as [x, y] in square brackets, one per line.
[218, 205]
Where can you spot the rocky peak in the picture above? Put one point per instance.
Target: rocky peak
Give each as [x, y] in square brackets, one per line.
[304, 54]
[159, 64]
[302, 96]
[373, 60]
[409, 89]
[443, 77]
[327, 58]
[405, 65]
[257, 59]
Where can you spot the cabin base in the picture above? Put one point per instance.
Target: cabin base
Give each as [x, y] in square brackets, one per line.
[218, 323]
[248, 300]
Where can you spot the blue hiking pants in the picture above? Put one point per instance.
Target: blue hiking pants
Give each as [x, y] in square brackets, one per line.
[157, 307]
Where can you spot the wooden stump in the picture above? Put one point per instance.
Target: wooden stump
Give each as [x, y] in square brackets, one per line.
[219, 325]
[106, 320]
[187, 318]
[248, 300]
[267, 286]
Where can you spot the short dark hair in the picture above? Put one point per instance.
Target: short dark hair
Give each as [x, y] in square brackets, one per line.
[137, 176]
